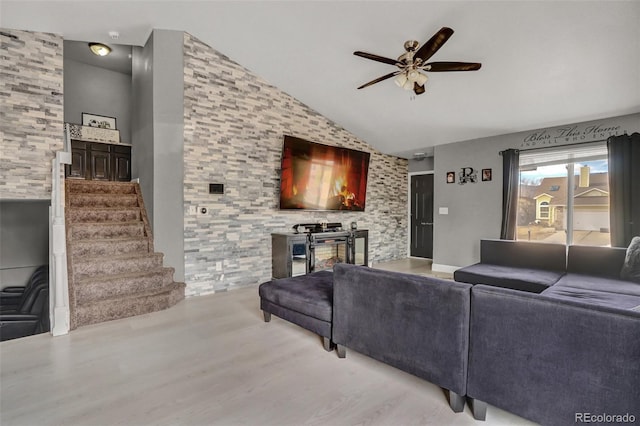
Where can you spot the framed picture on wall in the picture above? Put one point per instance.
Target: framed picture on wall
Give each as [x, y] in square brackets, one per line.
[486, 175]
[100, 121]
[451, 177]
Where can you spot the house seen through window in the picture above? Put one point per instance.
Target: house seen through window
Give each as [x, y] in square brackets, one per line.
[564, 195]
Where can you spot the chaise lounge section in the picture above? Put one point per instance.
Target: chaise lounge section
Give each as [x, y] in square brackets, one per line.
[417, 324]
[551, 360]
[566, 353]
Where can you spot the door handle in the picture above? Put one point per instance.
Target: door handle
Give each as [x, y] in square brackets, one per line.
[426, 223]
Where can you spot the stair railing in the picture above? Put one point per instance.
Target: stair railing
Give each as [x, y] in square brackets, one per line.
[58, 279]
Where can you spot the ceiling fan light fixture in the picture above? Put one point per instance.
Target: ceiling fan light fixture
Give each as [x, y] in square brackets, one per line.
[99, 49]
[401, 79]
[421, 79]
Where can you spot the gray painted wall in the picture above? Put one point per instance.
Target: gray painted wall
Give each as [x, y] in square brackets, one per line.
[475, 209]
[424, 165]
[97, 91]
[142, 120]
[24, 239]
[168, 144]
[157, 81]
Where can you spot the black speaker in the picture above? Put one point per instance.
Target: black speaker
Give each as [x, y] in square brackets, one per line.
[216, 188]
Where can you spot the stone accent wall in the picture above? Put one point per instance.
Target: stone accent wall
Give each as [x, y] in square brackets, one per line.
[234, 125]
[31, 113]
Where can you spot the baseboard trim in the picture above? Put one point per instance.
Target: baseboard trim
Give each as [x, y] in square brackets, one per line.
[437, 267]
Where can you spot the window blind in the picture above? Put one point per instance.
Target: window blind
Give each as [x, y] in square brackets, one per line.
[563, 154]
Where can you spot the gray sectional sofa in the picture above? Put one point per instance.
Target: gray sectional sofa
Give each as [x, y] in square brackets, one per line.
[549, 334]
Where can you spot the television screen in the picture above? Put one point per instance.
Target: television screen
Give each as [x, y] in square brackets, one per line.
[322, 177]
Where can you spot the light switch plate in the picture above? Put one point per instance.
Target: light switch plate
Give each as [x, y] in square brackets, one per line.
[443, 210]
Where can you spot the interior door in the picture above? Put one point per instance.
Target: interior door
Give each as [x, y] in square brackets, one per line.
[422, 216]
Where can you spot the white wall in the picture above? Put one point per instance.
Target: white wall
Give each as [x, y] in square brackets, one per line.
[475, 209]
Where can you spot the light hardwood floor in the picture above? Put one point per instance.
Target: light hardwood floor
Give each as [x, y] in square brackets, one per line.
[210, 360]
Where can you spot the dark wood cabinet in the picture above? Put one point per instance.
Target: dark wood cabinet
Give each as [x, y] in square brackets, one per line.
[99, 161]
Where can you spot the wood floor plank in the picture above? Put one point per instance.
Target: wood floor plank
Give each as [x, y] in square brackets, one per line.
[210, 360]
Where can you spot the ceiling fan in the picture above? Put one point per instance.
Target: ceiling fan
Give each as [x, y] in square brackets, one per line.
[414, 60]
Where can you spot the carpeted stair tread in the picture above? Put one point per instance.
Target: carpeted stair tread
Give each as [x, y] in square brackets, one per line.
[103, 200]
[109, 246]
[88, 267]
[104, 214]
[118, 285]
[101, 230]
[96, 187]
[123, 307]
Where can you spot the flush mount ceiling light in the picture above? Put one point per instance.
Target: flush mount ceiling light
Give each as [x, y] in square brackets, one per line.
[99, 49]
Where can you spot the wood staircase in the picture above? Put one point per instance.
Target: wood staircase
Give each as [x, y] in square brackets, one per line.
[112, 267]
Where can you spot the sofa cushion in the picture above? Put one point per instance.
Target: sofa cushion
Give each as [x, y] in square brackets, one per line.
[524, 254]
[526, 279]
[598, 291]
[631, 268]
[594, 260]
[310, 294]
[589, 282]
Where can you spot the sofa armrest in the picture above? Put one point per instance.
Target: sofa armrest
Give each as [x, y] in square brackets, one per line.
[547, 360]
[417, 324]
[13, 289]
[524, 254]
[598, 261]
[16, 325]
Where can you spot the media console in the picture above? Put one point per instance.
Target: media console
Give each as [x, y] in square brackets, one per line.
[294, 254]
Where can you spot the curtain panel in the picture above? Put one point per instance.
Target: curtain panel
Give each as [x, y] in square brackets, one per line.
[510, 186]
[624, 188]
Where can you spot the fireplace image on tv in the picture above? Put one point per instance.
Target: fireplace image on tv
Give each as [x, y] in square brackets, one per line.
[322, 177]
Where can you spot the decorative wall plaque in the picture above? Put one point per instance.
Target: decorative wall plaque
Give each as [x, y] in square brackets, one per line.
[94, 134]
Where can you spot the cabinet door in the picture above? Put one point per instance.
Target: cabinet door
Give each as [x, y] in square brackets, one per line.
[361, 248]
[100, 164]
[121, 163]
[78, 167]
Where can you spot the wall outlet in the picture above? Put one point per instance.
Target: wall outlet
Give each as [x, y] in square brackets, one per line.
[218, 266]
[193, 210]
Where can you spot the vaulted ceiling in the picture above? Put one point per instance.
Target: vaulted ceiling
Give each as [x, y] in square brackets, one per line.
[544, 63]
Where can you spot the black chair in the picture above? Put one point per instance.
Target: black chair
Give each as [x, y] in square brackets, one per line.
[31, 315]
[12, 297]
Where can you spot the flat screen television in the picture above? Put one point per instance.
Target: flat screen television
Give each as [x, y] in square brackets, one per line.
[321, 177]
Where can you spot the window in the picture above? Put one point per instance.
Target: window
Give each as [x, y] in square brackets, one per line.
[544, 210]
[564, 195]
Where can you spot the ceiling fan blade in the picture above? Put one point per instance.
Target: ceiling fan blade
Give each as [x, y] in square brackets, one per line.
[417, 89]
[379, 79]
[451, 66]
[376, 58]
[428, 49]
